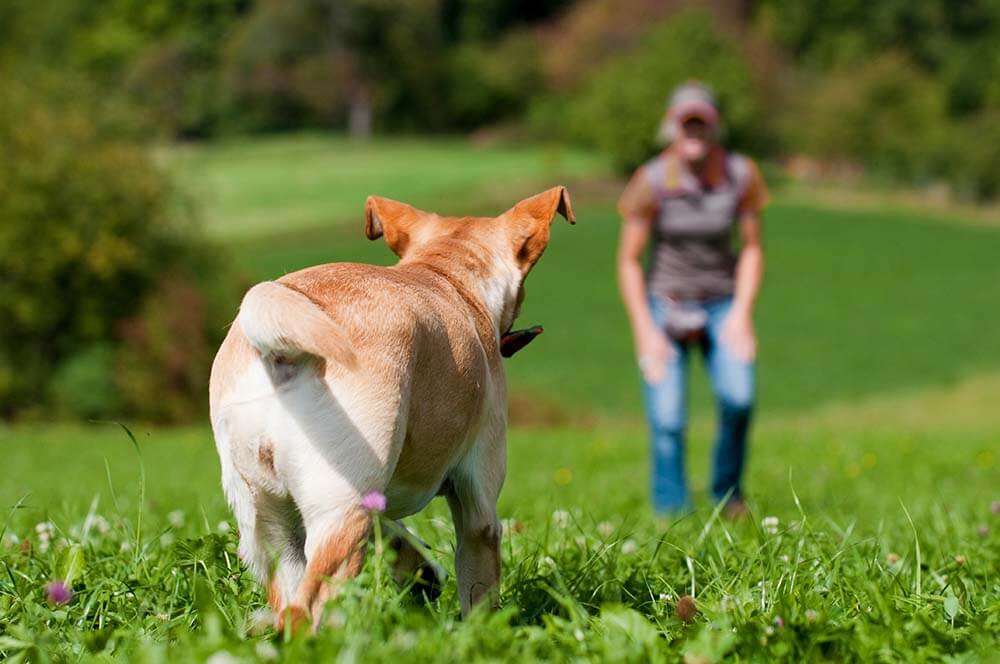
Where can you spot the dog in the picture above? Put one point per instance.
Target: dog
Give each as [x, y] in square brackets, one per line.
[344, 379]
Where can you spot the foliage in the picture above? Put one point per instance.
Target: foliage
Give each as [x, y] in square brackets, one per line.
[908, 88]
[883, 113]
[87, 225]
[622, 104]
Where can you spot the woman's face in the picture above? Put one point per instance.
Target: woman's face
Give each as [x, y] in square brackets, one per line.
[694, 139]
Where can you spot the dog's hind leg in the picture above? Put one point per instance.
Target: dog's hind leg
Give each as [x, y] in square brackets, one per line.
[472, 496]
[335, 544]
[280, 538]
[413, 564]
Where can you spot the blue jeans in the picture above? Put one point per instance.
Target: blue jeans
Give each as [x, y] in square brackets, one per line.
[733, 384]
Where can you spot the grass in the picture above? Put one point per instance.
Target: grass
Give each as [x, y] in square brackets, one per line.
[875, 451]
[588, 571]
[248, 188]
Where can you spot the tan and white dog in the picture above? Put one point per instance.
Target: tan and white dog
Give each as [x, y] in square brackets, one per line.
[344, 379]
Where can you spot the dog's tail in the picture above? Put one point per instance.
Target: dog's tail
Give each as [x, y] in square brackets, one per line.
[281, 322]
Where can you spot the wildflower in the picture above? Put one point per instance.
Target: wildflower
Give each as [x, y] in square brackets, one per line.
[10, 540]
[811, 616]
[665, 597]
[260, 621]
[266, 651]
[45, 530]
[58, 593]
[336, 619]
[581, 541]
[686, 609]
[560, 518]
[373, 501]
[892, 558]
[222, 657]
[578, 634]
[512, 526]
[98, 523]
[629, 547]
[126, 546]
[960, 560]
[548, 562]
[779, 622]
[223, 527]
[769, 630]
[605, 529]
[785, 558]
[770, 525]
[166, 539]
[176, 518]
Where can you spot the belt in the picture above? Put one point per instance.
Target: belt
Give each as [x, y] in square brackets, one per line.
[698, 296]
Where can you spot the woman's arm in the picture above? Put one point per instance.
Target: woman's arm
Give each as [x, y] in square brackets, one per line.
[739, 328]
[652, 349]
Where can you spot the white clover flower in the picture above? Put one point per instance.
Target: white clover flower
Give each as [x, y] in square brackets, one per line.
[665, 597]
[166, 539]
[223, 527]
[770, 525]
[578, 634]
[336, 619]
[126, 546]
[629, 547]
[10, 540]
[581, 541]
[605, 529]
[101, 525]
[45, 530]
[266, 651]
[176, 518]
[548, 562]
[260, 620]
[560, 518]
[222, 657]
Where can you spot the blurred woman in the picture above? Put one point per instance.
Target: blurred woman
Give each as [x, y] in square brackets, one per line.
[685, 206]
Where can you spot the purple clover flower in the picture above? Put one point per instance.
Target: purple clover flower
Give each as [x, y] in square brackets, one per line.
[58, 593]
[373, 501]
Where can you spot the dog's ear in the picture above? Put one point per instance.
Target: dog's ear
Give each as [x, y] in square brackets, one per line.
[391, 219]
[530, 220]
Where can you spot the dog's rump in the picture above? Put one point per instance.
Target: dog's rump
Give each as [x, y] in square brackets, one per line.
[282, 322]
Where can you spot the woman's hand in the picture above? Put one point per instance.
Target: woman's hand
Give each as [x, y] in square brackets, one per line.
[738, 335]
[653, 351]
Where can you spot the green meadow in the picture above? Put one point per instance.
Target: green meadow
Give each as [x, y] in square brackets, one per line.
[873, 478]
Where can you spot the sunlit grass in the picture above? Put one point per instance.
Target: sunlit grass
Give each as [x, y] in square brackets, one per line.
[832, 573]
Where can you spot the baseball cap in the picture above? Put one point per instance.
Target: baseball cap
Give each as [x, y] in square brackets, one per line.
[693, 100]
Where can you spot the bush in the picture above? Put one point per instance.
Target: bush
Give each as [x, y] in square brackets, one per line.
[88, 224]
[493, 81]
[884, 114]
[622, 104]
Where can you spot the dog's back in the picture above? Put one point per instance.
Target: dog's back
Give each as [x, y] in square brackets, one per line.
[364, 373]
